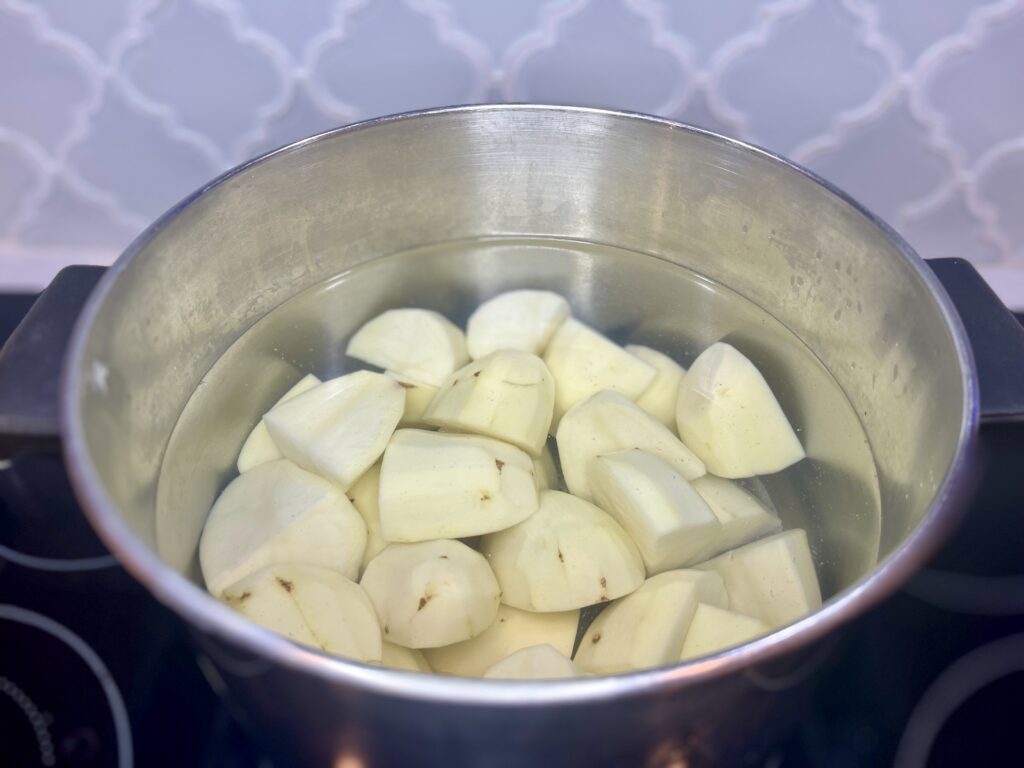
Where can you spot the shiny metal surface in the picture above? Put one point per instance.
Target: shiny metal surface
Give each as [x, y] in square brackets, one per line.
[847, 286]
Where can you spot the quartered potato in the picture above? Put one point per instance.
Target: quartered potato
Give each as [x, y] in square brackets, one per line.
[659, 399]
[608, 422]
[566, 555]
[419, 343]
[584, 362]
[417, 397]
[512, 630]
[437, 485]
[311, 605]
[714, 629]
[519, 320]
[727, 414]
[742, 516]
[340, 428]
[279, 513]
[364, 495]
[538, 662]
[431, 593]
[644, 629]
[771, 579]
[259, 448]
[397, 657]
[668, 520]
[506, 395]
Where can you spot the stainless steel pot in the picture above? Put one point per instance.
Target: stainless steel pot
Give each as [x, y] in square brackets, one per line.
[194, 282]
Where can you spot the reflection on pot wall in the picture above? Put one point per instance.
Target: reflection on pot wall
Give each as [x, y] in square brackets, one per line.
[111, 111]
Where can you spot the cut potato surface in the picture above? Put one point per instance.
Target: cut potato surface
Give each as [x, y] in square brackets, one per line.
[522, 320]
[668, 520]
[512, 630]
[659, 399]
[566, 555]
[364, 496]
[397, 657]
[310, 605]
[432, 593]
[713, 629]
[743, 517]
[436, 485]
[279, 513]
[583, 362]
[419, 343]
[340, 428]
[417, 397]
[608, 422]
[644, 629]
[771, 579]
[727, 414]
[538, 662]
[506, 395]
[259, 448]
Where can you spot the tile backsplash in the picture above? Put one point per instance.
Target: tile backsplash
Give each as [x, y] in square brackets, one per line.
[110, 110]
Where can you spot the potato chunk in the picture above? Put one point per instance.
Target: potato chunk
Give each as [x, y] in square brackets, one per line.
[728, 415]
[505, 395]
[340, 428]
[566, 555]
[419, 343]
[279, 513]
[713, 629]
[314, 606]
[432, 593]
[609, 422]
[659, 399]
[436, 485]
[538, 662]
[522, 320]
[584, 362]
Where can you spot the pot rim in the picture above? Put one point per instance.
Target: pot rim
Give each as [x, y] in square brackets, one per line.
[208, 615]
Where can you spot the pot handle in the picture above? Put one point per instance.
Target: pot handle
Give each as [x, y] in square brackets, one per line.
[996, 336]
[31, 361]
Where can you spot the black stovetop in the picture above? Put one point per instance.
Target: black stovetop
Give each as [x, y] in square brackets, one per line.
[93, 672]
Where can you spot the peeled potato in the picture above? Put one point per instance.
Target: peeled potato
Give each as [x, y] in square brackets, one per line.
[521, 320]
[417, 397]
[418, 343]
[279, 513]
[512, 630]
[364, 497]
[566, 555]
[668, 520]
[771, 579]
[644, 629]
[659, 399]
[538, 662]
[727, 414]
[340, 428]
[545, 473]
[397, 657]
[506, 395]
[742, 516]
[583, 362]
[259, 448]
[608, 422]
[436, 485]
[713, 629]
[432, 593]
[310, 605]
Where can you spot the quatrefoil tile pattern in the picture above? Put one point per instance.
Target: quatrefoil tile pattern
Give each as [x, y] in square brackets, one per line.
[112, 110]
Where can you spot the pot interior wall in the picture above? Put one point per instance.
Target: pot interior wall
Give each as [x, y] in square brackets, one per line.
[823, 270]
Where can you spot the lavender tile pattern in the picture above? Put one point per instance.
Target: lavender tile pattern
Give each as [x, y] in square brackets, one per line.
[110, 110]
